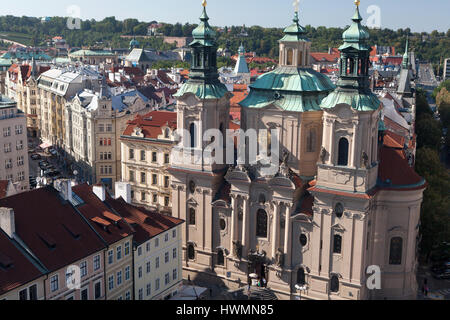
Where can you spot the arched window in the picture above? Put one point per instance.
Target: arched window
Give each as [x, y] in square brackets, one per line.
[301, 280]
[192, 216]
[167, 133]
[311, 141]
[220, 258]
[191, 252]
[290, 57]
[334, 284]
[337, 244]
[192, 134]
[261, 224]
[303, 240]
[343, 152]
[395, 256]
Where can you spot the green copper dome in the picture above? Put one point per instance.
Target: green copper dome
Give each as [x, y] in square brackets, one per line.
[290, 89]
[356, 35]
[295, 32]
[353, 86]
[204, 34]
[203, 76]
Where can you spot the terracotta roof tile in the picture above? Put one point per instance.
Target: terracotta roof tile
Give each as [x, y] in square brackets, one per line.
[152, 123]
[42, 219]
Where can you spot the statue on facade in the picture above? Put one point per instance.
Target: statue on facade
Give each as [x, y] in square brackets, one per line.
[323, 155]
[365, 160]
[237, 249]
[279, 258]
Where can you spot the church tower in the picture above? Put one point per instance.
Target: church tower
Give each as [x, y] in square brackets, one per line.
[347, 173]
[203, 103]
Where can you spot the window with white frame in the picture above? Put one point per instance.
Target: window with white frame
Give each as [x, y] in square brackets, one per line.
[156, 242]
[174, 253]
[157, 284]
[166, 257]
[7, 147]
[111, 282]
[140, 272]
[54, 284]
[140, 251]
[157, 262]
[110, 256]
[148, 265]
[166, 237]
[141, 294]
[175, 274]
[127, 248]
[167, 279]
[149, 289]
[119, 278]
[128, 295]
[83, 268]
[174, 233]
[21, 176]
[147, 246]
[19, 145]
[96, 262]
[119, 252]
[127, 273]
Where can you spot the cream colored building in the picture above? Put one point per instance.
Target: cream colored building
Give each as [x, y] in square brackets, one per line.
[56, 88]
[341, 202]
[14, 145]
[146, 147]
[94, 122]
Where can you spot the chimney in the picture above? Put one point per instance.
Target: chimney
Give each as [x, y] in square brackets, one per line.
[64, 186]
[7, 221]
[123, 190]
[100, 192]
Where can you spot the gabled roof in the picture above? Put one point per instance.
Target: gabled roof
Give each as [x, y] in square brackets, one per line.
[96, 211]
[16, 267]
[147, 224]
[151, 124]
[51, 228]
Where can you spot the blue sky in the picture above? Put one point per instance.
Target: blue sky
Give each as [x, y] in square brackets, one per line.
[418, 15]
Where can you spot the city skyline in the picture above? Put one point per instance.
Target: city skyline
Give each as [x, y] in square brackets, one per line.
[272, 13]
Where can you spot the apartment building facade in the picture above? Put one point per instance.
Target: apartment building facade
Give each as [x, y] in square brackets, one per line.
[147, 143]
[13, 146]
[94, 122]
[56, 88]
[156, 250]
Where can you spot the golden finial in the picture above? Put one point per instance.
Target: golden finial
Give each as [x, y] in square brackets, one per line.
[204, 3]
[357, 3]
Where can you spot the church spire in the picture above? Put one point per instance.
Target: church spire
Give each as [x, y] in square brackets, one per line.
[355, 54]
[405, 63]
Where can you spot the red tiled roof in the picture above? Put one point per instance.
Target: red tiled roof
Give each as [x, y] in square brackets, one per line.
[391, 124]
[51, 228]
[152, 123]
[94, 209]
[393, 140]
[395, 168]
[325, 56]
[15, 268]
[145, 223]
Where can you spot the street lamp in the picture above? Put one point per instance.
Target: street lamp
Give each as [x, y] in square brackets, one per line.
[301, 288]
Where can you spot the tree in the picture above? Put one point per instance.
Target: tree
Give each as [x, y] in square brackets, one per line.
[429, 132]
[435, 218]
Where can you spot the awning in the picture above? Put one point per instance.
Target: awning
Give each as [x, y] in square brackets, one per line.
[45, 145]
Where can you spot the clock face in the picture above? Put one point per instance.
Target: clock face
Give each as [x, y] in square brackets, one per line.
[192, 186]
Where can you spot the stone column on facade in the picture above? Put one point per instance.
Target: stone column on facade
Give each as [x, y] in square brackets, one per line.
[276, 228]
[355, 134]
[234, 215]
[331, 139]
[287, 238]
[245, 226]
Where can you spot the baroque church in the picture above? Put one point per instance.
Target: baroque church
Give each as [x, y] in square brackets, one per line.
[342, 200]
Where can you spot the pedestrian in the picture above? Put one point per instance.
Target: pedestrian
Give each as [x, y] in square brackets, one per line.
[264, 282]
